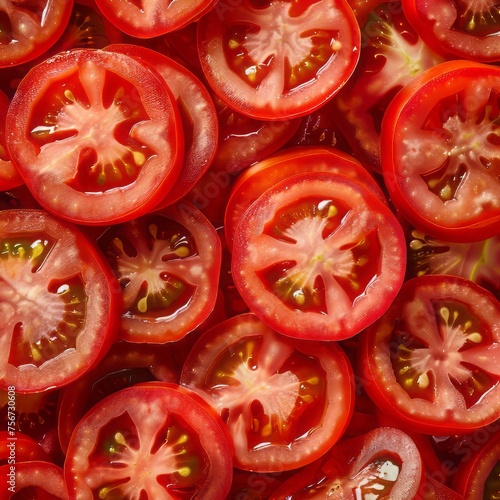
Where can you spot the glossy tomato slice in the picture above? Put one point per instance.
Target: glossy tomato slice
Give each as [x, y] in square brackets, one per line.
[440, 151]
[462, 29]
[95, 135]
[278, 59]
[392, 55]
[123, 366]
[59, 300]
[35, 480]
[384, 463]
[149, 441]
[9, 176]
[264, 174]
[432, 361]
[17, 447]
[318, 256]
[285, 401]
[152, 18]
[198, 116]
[28, 29]
[168, 266]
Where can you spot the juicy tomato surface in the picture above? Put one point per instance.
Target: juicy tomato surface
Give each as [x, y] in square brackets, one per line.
[60, 302]
[96, 135]
[285, 402]
[431, 360]
[249, 249]
[278, 59]
[149, 441]
[439, 150]
[318, 256]
[460, 29]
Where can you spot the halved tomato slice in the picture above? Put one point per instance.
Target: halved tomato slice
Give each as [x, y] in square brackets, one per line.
[96, 136]
[285, 401]
[60, 302]
[318, 256]
[432, 361]
[149, 441]
[278, 59]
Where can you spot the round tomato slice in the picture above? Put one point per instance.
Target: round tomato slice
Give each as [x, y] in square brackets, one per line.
[168, 266]
[35, 480]
[463, 29]
[276, 59]
[440, 151]
[149, 441]
[384, 463]
[18, 447]
[318, 256]
[198, 116]
[123, 366]
[264, 174]
[96, 136]
[59, 300]
[152, 18]
[9, 176]
[28, 29]
[285, 401]
[432, 361]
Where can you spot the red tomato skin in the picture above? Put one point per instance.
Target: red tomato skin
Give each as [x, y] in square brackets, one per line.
[406, 107]
[385, 340]
[347, 321]
[71, 189]
[100, 287]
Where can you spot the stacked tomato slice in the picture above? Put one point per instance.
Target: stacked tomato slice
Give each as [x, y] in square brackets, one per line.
[250, 249]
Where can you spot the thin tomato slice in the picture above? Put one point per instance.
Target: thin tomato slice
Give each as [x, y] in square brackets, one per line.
[96, 136]
[264, 174]
[432, 361]
[462, 29]
[149, 441]
[168, 266]
[278, 59]
[285, 401]
[384, 463]
[318, 256]
[60, 302]
[28, 29]
[440, 151]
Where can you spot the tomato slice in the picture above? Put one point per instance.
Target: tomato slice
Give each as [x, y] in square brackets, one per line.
[440, 151]
[384, 463]
[152, 18]
[432, 360]
[60, 302]
[285, 401]
[9, 176]
[318, 256]
[95, 135]
[149, 441]
[461, 29]
[278, 59]
[123, 366]
[168, 266]
[264, 174]
[392, 55]
[19, 448]
[198, 116]
[36, 480]
[28, 29]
